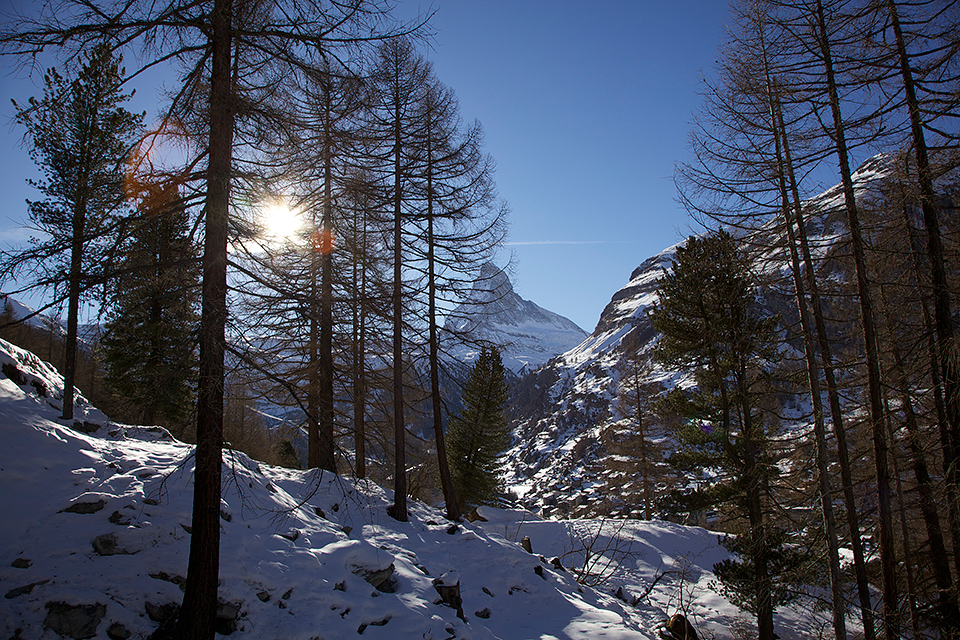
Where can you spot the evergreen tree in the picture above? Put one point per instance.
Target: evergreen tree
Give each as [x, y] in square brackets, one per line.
[149, 344]
[81, 138]
[708, 317]
[479, 435]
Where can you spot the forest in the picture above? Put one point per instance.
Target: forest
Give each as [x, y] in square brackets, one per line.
[816, 403]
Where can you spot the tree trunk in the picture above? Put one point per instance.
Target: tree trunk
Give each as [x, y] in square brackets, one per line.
[752, 472]
[73, 309]
[198, 612]
[943, 318]
[446, 481]
[833, 397]
[813, 380]
[886, 550]
[398, 510]
[327, 459]
[313, 367]
[79, 223]
[907, 547]
[949, 616]
[359, 355]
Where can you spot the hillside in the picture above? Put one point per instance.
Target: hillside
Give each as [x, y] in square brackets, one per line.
[94, 539]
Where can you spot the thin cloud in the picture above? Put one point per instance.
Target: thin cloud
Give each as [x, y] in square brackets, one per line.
[566, 242]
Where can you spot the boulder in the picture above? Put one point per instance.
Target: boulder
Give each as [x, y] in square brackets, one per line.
[448, 586]
[380, 579]
[107, 545]
[74, 620]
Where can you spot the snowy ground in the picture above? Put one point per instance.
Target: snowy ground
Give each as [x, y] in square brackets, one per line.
[102, 519]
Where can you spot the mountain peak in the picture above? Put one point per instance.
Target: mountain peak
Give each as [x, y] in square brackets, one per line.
[527, 334]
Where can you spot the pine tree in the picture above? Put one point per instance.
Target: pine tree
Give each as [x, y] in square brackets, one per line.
[149, 345]
[81, 138]
[478, 436]
[708, 317]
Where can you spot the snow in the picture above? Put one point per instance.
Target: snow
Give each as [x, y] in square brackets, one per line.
[296, 545]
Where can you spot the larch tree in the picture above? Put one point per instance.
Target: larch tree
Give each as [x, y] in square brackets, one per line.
[394, 124]
[463, 226]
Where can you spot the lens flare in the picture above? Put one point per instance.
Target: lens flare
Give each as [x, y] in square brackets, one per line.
[323, 241]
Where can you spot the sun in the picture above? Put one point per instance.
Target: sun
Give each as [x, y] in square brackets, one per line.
[280, 221]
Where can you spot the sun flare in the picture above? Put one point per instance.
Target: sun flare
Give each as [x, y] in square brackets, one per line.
[280, 221]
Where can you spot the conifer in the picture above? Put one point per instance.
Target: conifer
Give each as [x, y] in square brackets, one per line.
[479, 435]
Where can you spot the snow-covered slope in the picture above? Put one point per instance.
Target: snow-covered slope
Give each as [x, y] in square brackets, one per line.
[96, 528]
[528, 334]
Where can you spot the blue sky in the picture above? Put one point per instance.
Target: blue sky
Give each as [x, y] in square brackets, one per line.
[586, 107]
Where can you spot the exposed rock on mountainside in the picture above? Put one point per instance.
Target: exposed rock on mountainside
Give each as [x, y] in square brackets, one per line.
[562, 408]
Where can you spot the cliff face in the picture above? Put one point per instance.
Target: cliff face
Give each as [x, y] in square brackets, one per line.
[562, 409]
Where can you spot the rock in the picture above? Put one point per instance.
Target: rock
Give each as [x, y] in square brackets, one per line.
[180, 581]
[107, 545]
[85, 507]
[161, 612]
[539, 571]
[483, 613]
[11, 371]
[74, 620]
[118, 632]
[474, 516]
[679, 628]
[151, 502]
[291, 536]
[24, 590]
[21, 563]
[380, 579]
[287, 594]
[378, 623]
[119, 519]
[557, 564]
[225, 515]
[263, 596]
[82, 427]
[452, 529]
[227, 614]
[487, 591]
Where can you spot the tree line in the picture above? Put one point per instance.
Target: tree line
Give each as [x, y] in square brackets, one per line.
[327, 106]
